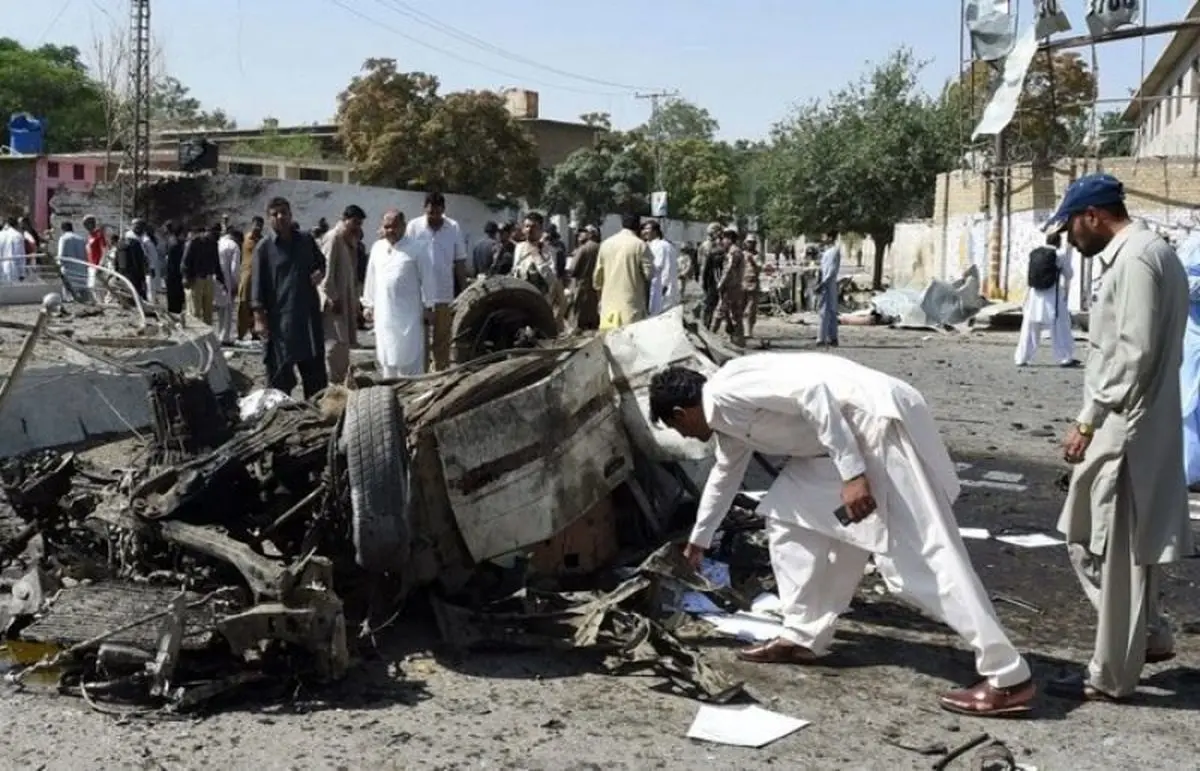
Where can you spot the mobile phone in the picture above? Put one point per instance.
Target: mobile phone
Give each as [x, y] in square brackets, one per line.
[843, 516]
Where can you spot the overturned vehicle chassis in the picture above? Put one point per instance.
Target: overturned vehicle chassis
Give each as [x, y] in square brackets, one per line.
[230, 537]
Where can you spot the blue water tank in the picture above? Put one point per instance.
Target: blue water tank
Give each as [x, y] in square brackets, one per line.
[25, 134]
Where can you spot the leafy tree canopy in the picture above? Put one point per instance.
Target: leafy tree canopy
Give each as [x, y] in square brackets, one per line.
[172, 107]
[51, 83]
[1052, 114]
[862, 160]
[399, 131]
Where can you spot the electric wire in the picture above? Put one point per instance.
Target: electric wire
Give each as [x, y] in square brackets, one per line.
[408, 10]
[461, 59]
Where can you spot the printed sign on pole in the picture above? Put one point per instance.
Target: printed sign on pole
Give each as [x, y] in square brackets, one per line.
[1105, 16]
[658, 203]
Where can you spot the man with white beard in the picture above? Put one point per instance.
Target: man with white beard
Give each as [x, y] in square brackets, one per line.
[398, 298]
[868, 475]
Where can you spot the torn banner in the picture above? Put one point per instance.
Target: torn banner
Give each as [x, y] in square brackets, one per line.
[1003, 104]
[1051, 18]
[992, 27]
[1105, 16]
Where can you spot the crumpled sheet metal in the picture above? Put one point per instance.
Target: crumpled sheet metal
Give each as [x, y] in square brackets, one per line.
[940, 304]
[613, 623]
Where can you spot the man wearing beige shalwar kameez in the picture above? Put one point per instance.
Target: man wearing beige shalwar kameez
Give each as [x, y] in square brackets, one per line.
[624, 266]
[1126, 512]
[339, 292]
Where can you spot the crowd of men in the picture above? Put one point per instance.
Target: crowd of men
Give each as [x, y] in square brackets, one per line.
[869, 479]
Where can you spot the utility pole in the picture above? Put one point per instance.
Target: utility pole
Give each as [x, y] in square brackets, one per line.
[137, 141]
[654, 107]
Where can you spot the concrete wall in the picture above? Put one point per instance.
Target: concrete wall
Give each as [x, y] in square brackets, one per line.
[556, 140]
[1163, 192]
[208, 198]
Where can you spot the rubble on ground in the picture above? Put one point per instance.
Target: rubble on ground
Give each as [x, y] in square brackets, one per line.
[267, 541]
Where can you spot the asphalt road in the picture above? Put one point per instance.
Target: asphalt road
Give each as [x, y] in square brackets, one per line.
[415, 708]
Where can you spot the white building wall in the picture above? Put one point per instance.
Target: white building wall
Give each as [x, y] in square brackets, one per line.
[1168, 126]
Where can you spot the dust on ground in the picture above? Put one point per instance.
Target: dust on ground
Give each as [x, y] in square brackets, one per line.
[413, 706]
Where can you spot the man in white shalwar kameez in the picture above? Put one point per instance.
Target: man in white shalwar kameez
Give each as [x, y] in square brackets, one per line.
[861, 441]
[12, 252]
[664, 282]
[1047, 309]
[397, 298]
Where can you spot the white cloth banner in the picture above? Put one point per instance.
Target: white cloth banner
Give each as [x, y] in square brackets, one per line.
[1000, 110]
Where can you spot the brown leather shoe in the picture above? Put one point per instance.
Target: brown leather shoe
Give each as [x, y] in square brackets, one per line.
[985, 700]
[777, 651]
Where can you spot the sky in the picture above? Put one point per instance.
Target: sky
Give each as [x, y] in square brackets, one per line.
[748, 62]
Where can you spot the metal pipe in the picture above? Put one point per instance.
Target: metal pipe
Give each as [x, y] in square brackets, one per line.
[137, 298]
[49, 302]
[1079, 41]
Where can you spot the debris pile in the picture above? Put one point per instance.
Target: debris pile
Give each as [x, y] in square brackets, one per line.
[205, 564]
[242, 540]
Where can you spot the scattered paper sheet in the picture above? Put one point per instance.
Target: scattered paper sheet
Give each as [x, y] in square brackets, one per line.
[755, 495]
[1031, 540]
[1010, 486]
[977, 533]
[1194, 508]
[745, 725]
[767, 604]
[750, 627]
[1003, 476]
[961, 467]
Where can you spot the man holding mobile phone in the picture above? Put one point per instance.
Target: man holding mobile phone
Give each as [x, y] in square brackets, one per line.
[868, 475]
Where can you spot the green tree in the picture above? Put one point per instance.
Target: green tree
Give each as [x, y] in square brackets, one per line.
[1117, 135]
[399, 131]
[861, 161]
[611, 177]
[1052, 115]
[700, 179]
[678, 119]
[52, 83]
[172, 107]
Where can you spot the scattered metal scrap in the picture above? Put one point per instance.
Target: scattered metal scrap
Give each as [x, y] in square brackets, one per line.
[209, 560]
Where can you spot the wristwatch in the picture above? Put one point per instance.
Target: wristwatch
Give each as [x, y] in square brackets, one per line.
[1085, 429]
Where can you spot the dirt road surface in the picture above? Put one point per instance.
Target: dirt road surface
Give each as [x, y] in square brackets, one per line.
[415, 707]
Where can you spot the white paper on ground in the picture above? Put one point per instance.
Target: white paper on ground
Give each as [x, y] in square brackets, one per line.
[1010, 486]
[755, 495]
[978, 533]
[1194, 508]
[1031, 540]
[767, 604]
[1003, 476]
[750, 627]
[960, 467]
[744, 725]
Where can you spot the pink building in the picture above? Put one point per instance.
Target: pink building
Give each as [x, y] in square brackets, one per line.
[72, 171]
[27, 182]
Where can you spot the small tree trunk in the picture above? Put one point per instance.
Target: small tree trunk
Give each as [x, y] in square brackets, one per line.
[883, 239]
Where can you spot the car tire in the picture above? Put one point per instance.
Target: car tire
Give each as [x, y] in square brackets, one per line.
[489, 312]
[377, 463]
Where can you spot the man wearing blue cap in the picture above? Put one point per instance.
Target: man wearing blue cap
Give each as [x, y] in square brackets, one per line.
[1126, 512]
